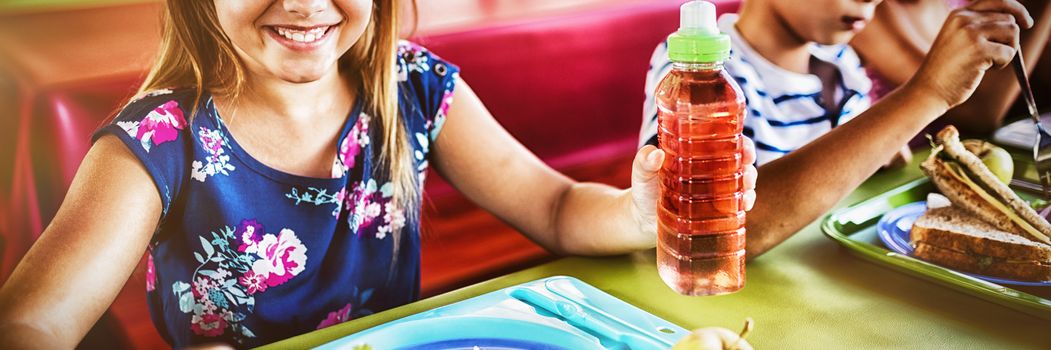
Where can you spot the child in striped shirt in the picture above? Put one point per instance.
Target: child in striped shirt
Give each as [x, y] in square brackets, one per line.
[817, 133]
[786, 109]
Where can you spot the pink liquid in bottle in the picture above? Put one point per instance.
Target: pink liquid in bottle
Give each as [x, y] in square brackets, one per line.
[700, 212]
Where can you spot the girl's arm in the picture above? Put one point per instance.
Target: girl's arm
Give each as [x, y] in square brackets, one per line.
[78, 265]
[491, 168]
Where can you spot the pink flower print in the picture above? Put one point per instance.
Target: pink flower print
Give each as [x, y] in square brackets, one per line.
[366, 204]
[405, 46]
[201, 287]
[216, 162]
[393, 219]
[208, 306]
[212, 141]
[351, 146]
[395, 216]
[151, 275]
[447, 100]
[347, 154]
[162, 124]
[281, 257]
[208, 325]
[253, 282]
[336, 317]
[339, 198]
[365, 212]
[372, 210]
[251, 233]
[439, 118]
[415, 58]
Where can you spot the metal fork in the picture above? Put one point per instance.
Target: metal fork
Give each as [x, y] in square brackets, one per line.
[1042, 144]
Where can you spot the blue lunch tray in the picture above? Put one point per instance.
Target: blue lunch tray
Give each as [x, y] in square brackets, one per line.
[552, 313]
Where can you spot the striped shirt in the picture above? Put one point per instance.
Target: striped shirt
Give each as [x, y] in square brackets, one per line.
[785, 111]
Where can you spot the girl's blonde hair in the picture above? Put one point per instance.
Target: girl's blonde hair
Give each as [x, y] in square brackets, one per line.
[195, 52]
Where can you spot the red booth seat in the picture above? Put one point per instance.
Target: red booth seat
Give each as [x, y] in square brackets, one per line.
[568, 85]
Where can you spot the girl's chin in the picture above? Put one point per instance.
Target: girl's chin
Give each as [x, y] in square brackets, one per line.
[301, 75]
[301, 79]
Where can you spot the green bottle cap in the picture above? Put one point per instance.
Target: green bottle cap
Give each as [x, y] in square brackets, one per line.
[698, 39]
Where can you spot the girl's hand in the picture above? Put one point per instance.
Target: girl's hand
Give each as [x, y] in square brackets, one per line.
[645, 188]
[973, 39]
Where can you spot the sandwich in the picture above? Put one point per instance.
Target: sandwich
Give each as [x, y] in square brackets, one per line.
[988, 229]
[954, 238]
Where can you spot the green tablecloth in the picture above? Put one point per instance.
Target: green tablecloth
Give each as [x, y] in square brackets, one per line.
[808, 293]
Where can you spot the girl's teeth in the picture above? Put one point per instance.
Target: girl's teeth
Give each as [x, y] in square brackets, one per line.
[302, 36]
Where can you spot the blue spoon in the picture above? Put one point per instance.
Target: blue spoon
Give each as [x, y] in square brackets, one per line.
[576, 317]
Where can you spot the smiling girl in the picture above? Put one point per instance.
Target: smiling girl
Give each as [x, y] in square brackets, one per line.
[272, 168]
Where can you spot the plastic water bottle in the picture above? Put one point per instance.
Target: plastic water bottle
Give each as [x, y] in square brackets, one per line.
[701, 217]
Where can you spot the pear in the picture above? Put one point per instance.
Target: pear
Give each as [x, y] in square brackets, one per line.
[715, 338]
[995, 158]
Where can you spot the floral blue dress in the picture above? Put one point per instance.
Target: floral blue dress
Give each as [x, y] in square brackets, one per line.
[246, 254]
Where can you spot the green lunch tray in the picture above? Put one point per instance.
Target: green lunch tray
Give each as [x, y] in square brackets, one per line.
[854, 227]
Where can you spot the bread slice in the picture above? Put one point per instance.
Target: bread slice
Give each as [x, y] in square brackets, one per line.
[955, 229]
[965, 198]
[949, 139]
[983, 265]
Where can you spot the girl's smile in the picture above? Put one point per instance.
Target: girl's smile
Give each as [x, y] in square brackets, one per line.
[295, 41]
[301, 38]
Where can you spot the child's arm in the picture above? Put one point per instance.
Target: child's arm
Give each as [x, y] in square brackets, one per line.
[491, 168]
[797, 188]
[988, 107]
[75, 270]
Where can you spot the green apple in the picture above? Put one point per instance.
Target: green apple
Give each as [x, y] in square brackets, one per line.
[716, 338]
[995, 158]
[703, 339]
